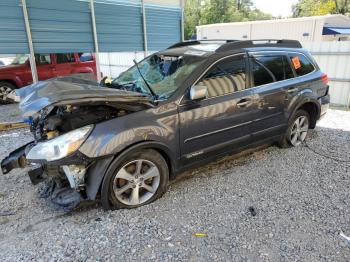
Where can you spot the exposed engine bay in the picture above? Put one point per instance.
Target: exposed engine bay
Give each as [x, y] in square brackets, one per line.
[66, 118]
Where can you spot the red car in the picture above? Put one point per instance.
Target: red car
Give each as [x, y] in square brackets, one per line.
[18, 73]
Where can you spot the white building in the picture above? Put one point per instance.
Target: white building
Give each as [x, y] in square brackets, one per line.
[304, 29]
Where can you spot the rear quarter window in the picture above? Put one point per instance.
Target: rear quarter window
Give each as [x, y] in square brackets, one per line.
[301, 64]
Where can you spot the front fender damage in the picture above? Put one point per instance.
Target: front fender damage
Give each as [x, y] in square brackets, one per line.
[65, 184]
[54, 108]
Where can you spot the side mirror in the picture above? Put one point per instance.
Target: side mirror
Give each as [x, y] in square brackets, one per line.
[198, 92]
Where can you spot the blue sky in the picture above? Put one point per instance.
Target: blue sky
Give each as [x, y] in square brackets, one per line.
[275, 7]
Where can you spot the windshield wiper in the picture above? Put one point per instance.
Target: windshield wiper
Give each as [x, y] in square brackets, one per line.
[148, 86]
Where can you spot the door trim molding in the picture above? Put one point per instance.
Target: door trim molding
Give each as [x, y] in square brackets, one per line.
[216, 131]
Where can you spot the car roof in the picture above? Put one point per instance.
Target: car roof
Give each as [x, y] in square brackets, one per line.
[209, 47]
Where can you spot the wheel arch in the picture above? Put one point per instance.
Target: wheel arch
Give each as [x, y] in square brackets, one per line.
[312, 107]
[155, 145]
[11, 81]
[95, 177]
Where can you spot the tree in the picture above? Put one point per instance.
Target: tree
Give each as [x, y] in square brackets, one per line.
[320, 7]
[342, 7]
[201, 12]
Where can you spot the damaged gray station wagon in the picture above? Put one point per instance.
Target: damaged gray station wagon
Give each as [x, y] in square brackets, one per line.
[122, 140]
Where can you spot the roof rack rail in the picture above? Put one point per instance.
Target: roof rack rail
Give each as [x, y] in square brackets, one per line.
[197, 42]
[259, 43]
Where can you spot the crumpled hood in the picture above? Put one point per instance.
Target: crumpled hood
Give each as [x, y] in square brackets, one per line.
[71, 91]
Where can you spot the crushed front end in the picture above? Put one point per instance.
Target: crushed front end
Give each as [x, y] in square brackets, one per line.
[59, 129]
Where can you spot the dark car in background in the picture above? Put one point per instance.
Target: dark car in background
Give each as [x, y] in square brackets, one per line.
[18, 73]
[191, 103]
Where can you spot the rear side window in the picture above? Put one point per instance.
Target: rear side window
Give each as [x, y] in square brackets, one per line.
[274, 64]
[268, 69]
[64, 58]
[301, 64]
[42, 59]
[261, 75]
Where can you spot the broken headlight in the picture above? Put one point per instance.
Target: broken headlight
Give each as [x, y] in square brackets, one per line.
[60, 146]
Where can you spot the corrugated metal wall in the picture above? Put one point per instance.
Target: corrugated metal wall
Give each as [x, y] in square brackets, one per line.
[13, 38]
[334, 59]
[163, 26]
[112, 64]
[65, 25]
[62, 26]
[119, 26]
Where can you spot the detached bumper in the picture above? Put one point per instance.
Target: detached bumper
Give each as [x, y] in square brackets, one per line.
[16, 159]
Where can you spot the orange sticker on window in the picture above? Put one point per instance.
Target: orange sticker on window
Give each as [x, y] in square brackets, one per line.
[296, 62]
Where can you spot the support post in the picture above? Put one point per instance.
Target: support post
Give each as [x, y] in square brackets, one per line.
[182, 20]
[144, 23]
[97, 58]
[30, 43]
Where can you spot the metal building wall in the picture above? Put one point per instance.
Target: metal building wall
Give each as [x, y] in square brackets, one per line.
[60, 26]
[163, 26]
[13, 37]
[119, 26]
[334, 59]
[66, 25]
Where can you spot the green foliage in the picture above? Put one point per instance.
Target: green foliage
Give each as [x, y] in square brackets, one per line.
[320, 7]
[202, 12]
[342, 7]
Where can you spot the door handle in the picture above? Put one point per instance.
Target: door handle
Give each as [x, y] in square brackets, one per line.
[292, 90]
[243, 103]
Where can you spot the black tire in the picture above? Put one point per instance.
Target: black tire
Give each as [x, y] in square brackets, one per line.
[285, 141]
[4, 85]
[108, 196]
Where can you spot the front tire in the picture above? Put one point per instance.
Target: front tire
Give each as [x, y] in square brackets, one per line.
[5, 89]
[136, 179]
[297, 130]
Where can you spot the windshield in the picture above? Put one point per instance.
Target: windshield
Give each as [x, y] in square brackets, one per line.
[164, 74]
[20, 59]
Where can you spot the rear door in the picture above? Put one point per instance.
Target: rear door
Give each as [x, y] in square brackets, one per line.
[222, 120]
[270, 74]
[65, 64]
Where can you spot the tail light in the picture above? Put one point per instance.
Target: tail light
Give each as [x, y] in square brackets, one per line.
[324, 79]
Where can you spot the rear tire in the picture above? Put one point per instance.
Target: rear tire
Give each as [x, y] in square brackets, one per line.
[5, 89]
[297, 130]
[137, 179]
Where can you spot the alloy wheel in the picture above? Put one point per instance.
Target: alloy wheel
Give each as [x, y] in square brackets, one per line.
[136, 182]
[299, 130]
[4, 92]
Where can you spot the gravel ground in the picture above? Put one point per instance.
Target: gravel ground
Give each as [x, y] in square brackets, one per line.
[301, 200]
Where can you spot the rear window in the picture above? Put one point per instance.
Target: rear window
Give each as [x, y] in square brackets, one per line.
[301, 64]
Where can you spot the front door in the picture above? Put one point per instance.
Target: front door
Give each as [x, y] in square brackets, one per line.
[223, 119]
[44, 66]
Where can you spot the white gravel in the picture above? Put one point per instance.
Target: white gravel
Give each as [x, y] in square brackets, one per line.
[301, 199]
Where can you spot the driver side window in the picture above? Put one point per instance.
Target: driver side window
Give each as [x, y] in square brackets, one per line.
[226, 76]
